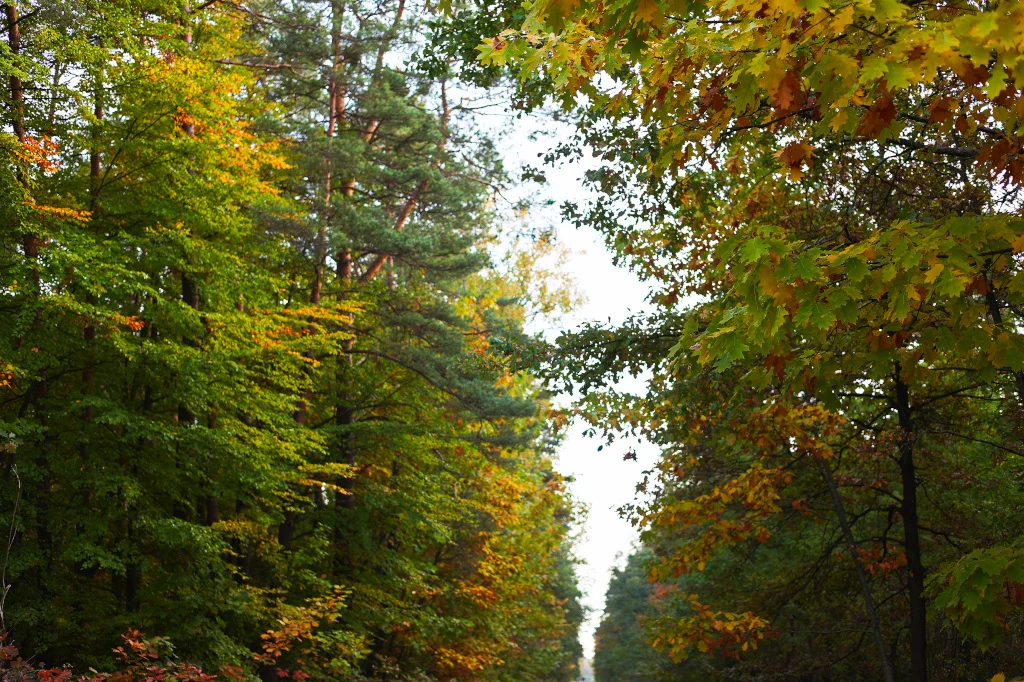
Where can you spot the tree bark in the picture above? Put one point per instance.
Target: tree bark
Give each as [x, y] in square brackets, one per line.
[911, 533]
[89, 333]
[335, 112]
[190, 296]
[17, 88]
[286, 531]
[212, 510]
[189, 289]
[29, 240]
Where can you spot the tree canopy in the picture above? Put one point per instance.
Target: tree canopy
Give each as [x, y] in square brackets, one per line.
[825, 198]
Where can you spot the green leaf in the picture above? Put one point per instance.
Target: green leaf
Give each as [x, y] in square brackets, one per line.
[856, 268]
[815, 314]
[806, 269]
[753, 249]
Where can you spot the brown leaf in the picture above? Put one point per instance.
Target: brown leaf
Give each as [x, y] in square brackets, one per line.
[877, 118]
[973, 75]
[978, 285]
[789, 95]
[940, 110]
[918, 52]
[793, 158]
[777, 364]
[1007, 97]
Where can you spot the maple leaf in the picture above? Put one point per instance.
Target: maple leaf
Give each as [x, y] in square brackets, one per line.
[558, 11]
[1018, 244]
[940, 110]
[753, 249]
[776, 363]
[933, 273]
[973, 75]
[886, 10]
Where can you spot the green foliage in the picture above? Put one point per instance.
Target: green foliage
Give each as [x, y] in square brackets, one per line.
[623, 651]
[980, 590]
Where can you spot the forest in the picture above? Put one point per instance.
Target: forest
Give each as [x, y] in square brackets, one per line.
[253, 397]
[283, 385]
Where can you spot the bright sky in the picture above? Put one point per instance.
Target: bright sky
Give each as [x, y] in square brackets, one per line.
[603, 480]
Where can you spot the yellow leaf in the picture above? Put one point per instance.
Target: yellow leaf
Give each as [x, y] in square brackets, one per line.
[647, 11]
[999, 678]
[933, 273]
[843, 18]
[883, 10]
[558, 11]
[839, 120]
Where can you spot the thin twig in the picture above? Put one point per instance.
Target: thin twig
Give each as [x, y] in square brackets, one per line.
[11, 533]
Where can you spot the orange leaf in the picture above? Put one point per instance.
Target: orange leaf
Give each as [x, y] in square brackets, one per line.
[789, 95]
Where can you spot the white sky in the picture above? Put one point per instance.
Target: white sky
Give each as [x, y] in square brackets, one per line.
[603, 480]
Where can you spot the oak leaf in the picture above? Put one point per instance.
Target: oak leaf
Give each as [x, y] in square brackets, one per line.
[877, 118]
[789, 94]
[793, 158]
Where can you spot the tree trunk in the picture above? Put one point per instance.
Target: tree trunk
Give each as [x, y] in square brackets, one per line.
[17, 89]
[286, 531]
[912, 538]
[30, 242]
[335, 112]
[189, 290]
[89, 333]
[212, 510]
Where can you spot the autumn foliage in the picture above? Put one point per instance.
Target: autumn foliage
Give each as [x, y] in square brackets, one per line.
[825, 197]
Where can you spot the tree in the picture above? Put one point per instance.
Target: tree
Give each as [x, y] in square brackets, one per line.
[623, 650]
